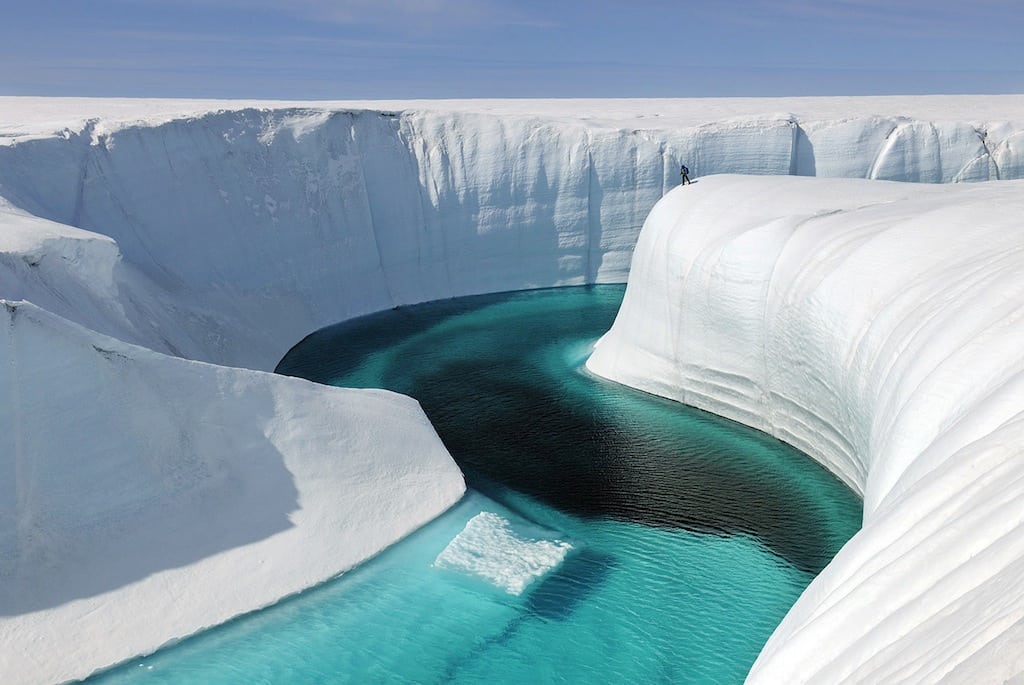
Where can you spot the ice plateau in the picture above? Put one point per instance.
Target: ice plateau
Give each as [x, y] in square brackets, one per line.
[152, 251]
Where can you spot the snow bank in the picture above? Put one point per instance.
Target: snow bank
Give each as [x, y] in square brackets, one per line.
[146, 497]
[879, 328]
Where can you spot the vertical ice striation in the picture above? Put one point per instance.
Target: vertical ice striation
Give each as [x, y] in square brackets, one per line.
[261, 225]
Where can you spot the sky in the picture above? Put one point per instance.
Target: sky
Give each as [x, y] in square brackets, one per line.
[400, 49]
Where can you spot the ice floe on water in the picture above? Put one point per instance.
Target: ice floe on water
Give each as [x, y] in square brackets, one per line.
[508, 556]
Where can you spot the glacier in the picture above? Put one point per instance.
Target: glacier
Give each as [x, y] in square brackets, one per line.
[157, 257]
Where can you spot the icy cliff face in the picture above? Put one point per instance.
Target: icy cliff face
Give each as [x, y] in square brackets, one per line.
[878, 327]
[138, 235]
[263, 225]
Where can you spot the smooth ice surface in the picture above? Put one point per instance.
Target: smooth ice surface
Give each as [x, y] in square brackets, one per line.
[224, 231]
[878, 327]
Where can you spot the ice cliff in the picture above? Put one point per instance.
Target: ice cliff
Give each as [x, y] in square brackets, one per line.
[140, 238]
[879, 327]
[260, 225]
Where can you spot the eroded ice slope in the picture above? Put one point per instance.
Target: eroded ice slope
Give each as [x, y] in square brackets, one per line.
[145, 497]
[879, 327]
[225, 232]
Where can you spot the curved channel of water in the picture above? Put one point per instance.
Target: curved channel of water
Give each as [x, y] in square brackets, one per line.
[608, 536]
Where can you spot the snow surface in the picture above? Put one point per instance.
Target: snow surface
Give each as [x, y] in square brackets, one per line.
[136, 235]
[879, 327]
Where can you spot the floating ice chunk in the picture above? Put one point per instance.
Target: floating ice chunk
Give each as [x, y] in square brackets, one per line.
[489, 548]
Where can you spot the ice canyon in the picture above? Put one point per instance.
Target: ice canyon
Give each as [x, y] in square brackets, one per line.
[158, 257]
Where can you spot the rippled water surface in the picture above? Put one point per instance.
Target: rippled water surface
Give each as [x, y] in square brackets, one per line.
[681, 538]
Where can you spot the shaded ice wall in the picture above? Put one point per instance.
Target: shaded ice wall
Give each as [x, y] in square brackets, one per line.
[264, 225]
[879, 327]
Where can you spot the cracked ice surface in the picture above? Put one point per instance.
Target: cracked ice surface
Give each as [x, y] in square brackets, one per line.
[879, 327]
[137, 236]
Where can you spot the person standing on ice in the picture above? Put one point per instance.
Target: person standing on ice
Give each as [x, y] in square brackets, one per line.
[685, 173]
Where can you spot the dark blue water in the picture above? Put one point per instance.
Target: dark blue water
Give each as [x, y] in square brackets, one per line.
[626, 538]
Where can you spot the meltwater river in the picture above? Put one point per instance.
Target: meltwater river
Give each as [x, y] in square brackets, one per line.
[608, 535]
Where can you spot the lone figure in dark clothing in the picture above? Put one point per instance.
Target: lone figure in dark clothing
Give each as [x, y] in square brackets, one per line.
[685, 173]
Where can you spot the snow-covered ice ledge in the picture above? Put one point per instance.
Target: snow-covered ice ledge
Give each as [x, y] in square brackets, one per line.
[138, 235]
[879, 327]
[145, 497]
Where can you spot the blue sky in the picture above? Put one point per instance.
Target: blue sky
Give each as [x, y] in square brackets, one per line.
[346, 49]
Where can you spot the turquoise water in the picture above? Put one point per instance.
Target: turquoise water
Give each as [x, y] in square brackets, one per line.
[690, 535]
